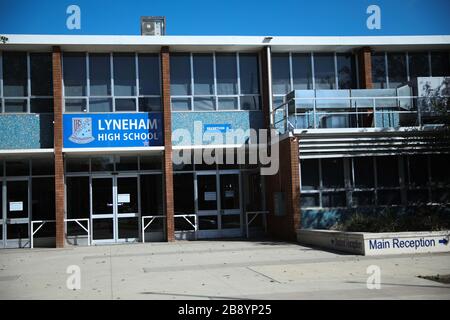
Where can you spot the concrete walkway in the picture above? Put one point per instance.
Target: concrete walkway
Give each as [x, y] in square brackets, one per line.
[216, 270]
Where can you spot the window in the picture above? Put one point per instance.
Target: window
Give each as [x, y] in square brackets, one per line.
[387, 172]
[20, 95]
[248, 64]
[281, 78]
[440, 64]
[346, 70]
[418, 65]
[15, 74]
[100, 74]
[309, 171]
[324, 71]
[74, 73]
[203, 74]
[302, 71]
[332, 173]
[226, 69]
[41, 74]
[397, 69]
[208, 82]
[124, 74]
[105, 69]
[379, 70]
[363, 172]
[149, 83]
[180, 75]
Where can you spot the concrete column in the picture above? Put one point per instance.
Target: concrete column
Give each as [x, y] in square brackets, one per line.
[58, 145]
[168, 170]
[365, 68]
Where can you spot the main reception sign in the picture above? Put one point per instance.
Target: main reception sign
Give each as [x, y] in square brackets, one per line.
[109, 130]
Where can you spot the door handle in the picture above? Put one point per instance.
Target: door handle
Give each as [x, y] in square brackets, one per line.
[109, 204]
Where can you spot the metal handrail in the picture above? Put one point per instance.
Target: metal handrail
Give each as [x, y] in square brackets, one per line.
[185, 217]
[256, 214]
[33, 232]
[345, 109]
[88, 229]
[145, 226]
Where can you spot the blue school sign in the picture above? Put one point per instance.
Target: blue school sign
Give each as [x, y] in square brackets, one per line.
[112, 130]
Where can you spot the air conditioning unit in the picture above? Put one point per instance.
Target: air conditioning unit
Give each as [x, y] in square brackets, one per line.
[153, 26]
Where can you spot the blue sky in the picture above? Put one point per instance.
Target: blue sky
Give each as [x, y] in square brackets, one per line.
[229, 17]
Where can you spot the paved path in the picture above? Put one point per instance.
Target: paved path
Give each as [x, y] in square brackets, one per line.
[215, 270]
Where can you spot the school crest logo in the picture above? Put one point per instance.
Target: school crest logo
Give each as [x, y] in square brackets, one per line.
[81, 130]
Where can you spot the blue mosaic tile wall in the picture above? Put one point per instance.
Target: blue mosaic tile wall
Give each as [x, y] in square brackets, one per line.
[26, 131]
[236, 119]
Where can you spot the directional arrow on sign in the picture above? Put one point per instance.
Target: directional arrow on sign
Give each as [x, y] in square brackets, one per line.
[443, 241]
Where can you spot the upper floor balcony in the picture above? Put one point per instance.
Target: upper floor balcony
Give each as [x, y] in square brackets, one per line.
[424, 105]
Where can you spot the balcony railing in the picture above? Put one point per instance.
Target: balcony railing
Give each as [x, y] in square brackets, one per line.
[383, 108]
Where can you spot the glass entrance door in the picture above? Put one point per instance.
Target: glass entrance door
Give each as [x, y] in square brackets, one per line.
[115, 210]
[16, 227]
[219, 204]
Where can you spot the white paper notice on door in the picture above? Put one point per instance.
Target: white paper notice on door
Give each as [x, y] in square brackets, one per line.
[229, 194]
[210, 196]
[16, 206]
[123, 198]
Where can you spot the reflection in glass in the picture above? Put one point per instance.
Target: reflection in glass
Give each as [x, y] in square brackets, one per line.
[124, 74]
[281, 80]
[324, 72]
[302, 71]
[180, 74]
[249, 74]
[15, 74]
[102, 229]
[397, 69]
[41, 74]
[379, 70]
[74, 73]
[149, 82]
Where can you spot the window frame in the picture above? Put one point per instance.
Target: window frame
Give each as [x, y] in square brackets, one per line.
[137, 97]
[29, 97]
[238, 96]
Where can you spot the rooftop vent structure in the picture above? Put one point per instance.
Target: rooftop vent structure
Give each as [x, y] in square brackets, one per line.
[153, 26]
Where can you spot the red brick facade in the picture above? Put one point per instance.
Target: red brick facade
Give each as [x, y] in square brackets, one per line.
[365, 68]
[58, 145]
[286, 181]
[168, 170]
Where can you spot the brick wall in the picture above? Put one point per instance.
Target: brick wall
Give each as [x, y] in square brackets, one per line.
[168, 171]
[287, 181]
[58, 145]
[365, 68]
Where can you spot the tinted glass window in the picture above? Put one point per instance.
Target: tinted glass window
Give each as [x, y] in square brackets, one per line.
[379, 70]
[124, 74]
[302, 71]
[74, 71]
[180, 75]
[280, 73]
[440, 64]
[149, 82]
[387, 171]
[309, 174]
[418, 65]
[226, 71]
[41, 74]
[100, 74]
[324, 71]
[249, 74]
[397, 69]
[15, 74]
[363, 171]
[332, 173]
[346, 71]
[203, 74]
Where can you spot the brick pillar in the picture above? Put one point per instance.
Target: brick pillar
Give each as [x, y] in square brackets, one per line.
[286, 181]
[365, 68]
[168, 171]
[58, 145]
